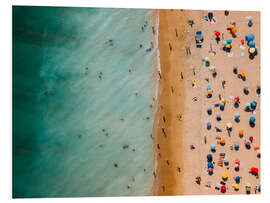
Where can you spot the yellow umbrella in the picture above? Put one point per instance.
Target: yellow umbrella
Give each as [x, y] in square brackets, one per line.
[229, 46]
[224, 176]
[251, 50]
[231, 26]
[206, 58]
[233, 30]
[236, 187]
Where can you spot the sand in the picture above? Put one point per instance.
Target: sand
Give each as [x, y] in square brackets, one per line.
[191, 103]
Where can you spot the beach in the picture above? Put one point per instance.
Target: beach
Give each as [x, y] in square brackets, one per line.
[184, 106]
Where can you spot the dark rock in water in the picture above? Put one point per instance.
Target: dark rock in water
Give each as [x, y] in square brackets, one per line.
[115, 165]
[125, 146]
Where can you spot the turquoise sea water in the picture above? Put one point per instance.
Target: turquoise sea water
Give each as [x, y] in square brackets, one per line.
[55, 99]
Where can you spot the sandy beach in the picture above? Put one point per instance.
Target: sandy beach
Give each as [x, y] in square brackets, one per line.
[181, 108]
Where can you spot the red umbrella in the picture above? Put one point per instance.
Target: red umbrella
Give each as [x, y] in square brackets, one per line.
[254, 170]
[237, 161]
[250, 139]
[217, 34]
[222, 188]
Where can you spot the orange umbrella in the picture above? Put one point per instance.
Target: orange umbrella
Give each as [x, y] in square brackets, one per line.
[243, 74]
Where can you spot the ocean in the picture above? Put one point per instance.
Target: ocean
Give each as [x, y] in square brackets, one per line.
[82, 86]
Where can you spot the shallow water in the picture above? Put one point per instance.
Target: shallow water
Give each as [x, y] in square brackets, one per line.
[51, 49]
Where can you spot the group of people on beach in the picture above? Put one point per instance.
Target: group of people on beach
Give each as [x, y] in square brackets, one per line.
[223, 159]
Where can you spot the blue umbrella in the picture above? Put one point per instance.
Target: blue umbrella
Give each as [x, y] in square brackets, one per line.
[237, 116]
[237, 179]
[210, 165]
[251, 44]
[221, 106]
[209, 157]
[252, 119]
[253, 104]
[208, 87]
[229, 41]
[236, 145]
[213, 148]
[250, 37]
[199, 34]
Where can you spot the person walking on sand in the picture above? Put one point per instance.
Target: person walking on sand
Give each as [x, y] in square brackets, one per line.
[170, 46]
[163, 131]
[176, 33]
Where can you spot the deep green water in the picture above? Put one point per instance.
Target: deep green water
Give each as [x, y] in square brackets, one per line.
[55, 99]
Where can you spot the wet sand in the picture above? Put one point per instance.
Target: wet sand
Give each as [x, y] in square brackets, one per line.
[191, 103]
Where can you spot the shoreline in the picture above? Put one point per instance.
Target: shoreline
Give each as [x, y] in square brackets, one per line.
[168, 162]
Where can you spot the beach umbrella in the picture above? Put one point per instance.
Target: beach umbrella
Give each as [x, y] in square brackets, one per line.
[243, 75]
[206, 59]
[236, 100]
[229, 41]
[210, 171]
[259, 188]
[251, 44]
[229, 126]
[224, 43]
[253, 104]
[236, 187]
[236, 145]
[209, 110]
[241, 132]
[250, 18]
[217, 33]
[252, 119]
[254, 170]
[210, 165]
[208, 87]
[235, 66]
[223, 188]
[251, 50]
[221, 106]
[237, 161]
[236, 116]
[226, 161]
[237, 179]
[250, 37]
[199, 34]
[247, 143]
[233, 30]
[218, 117]
[247, 106]
[230, 26]
[222, 141]
[213, 148]
[209, 157]
[209, 92]
[213, 69]
[223, 101]
[248, 184]
[208, 124]
[251, 138]
[229, 46]
[224, 176]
